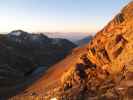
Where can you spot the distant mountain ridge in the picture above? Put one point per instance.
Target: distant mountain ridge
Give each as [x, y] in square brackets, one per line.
[84, 41]
[39, 39]
[22, 52]
[72, 36]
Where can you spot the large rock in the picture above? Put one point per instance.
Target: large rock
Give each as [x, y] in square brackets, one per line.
[111, 51]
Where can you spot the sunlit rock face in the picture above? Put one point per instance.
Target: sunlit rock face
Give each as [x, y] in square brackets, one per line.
[106, 69]
[114, 42]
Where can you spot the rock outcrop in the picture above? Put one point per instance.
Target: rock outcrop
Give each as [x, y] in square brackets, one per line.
[106, 69]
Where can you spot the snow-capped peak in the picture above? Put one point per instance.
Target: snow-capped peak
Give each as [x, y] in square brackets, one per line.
[16, 33]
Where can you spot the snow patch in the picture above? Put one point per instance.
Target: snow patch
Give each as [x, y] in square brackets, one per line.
[15, 33]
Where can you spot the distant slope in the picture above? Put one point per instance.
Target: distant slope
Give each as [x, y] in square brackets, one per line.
[21, 53]
[83, 41]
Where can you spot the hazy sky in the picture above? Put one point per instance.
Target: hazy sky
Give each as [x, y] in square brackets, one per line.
[57, 15]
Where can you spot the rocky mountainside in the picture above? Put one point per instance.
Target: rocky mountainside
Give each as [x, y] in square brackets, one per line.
[101, 70]
[21, 53]
[84, 41]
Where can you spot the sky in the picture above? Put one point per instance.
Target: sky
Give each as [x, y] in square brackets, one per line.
[57, 15]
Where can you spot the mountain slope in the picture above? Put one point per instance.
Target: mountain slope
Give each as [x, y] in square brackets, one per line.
[83, 41]
[101, 70]
[22, 53]
[38, 47]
